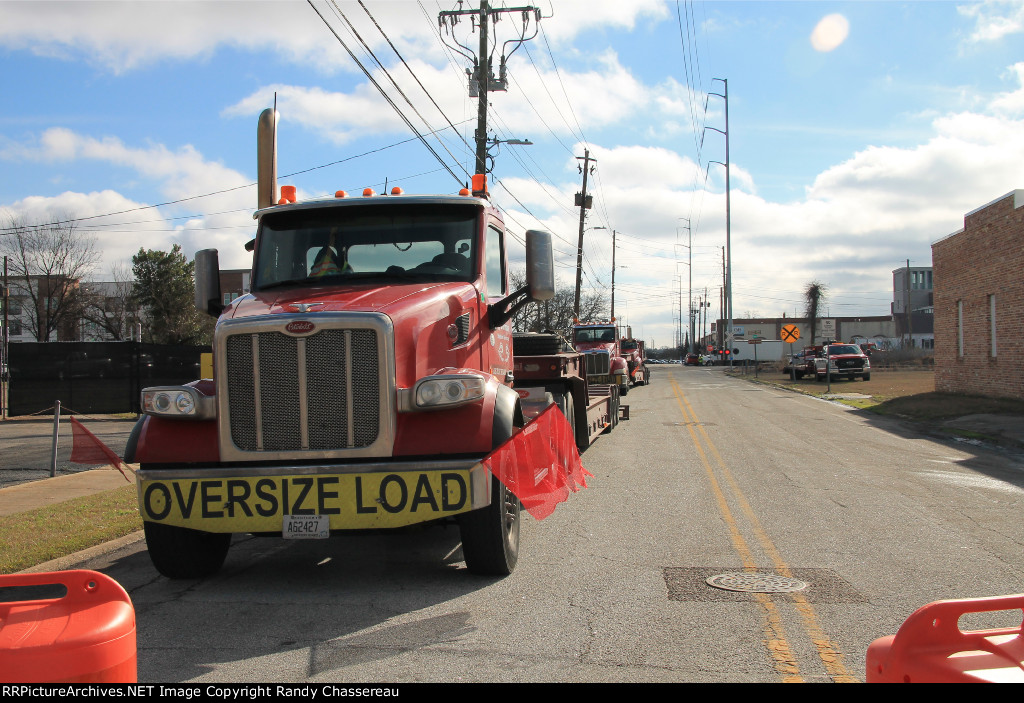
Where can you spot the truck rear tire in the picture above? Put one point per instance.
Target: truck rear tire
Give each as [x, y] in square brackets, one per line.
[490, 536]
[181, 553]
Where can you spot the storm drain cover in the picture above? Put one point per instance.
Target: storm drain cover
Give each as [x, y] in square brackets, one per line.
[756, 583]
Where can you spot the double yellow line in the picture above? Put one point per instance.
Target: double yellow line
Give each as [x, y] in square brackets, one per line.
[774, 633]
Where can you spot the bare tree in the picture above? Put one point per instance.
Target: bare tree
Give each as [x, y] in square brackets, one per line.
[110, 306]
[556, 315]
[814, 296]
[48, 260]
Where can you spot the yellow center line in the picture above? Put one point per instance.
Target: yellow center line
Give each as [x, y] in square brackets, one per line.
[829, 654]
[775, 636]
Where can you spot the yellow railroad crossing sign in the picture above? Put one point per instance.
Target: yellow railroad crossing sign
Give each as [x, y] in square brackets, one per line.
[790, 333]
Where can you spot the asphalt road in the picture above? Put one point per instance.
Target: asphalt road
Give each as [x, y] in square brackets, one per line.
[710, 475]
[26, 446]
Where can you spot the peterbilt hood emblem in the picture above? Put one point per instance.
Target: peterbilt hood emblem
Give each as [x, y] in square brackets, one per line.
[303, 307]
[299, 327]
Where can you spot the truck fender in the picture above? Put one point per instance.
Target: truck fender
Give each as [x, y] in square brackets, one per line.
[618, 365]
[508, 415]
[157, 440]
[132, 447]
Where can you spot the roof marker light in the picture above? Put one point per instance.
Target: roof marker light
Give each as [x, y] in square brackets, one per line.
[340, 194]
[368, 192]
[480, 184]
[464, 191]
[288, 193]
[397, 190]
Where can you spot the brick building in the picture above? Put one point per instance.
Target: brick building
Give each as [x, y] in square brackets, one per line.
[979, 302]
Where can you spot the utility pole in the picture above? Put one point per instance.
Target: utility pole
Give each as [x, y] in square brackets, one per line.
[482, 79]
[484, 85]
[689, 265]
[728, 209]
[613, 275]
[585, 203]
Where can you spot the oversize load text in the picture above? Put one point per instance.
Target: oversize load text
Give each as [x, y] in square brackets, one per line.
[373, 497]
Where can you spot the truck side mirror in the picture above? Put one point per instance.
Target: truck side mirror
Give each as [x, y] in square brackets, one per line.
[207, 272]
[540, 266]
[540, 279]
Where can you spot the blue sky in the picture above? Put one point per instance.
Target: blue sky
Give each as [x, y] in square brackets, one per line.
[847, 158]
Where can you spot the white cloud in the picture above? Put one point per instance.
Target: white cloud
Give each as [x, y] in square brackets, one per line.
[179, 174]
[857, 221]
[534, 104]
[121, 36]
[994, 19]
[1011, 104]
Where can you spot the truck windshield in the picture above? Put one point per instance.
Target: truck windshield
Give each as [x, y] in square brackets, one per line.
[595, 334]
[843, 349]
[338, 244]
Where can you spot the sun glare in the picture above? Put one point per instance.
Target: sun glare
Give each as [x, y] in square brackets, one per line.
[830, 32]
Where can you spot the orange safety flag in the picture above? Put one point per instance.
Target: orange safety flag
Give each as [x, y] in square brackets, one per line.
[540, 463]
[88, 449]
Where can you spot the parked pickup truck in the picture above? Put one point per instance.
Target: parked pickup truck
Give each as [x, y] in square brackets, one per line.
[802, 363]
[843, 361]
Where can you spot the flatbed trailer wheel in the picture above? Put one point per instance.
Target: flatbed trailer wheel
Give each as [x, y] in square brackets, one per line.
[490, 536]
[181, 553]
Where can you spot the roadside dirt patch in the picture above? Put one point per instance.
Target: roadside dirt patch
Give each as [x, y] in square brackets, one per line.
[884, 385]
[908, 394]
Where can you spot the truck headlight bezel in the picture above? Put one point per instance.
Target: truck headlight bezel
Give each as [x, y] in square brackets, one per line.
[178, 402]
[447, 391]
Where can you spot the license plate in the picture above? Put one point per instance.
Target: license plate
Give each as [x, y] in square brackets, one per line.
[306, 527]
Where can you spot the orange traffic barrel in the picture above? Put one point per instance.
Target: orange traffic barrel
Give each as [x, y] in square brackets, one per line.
[930, 647]
[66, 627]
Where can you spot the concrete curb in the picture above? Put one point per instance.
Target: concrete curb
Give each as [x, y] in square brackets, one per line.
[73, 560]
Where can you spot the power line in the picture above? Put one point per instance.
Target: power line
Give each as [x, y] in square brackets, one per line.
[380, 89]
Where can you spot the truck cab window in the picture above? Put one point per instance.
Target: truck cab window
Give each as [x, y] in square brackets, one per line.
[314, 247]
[495, 262]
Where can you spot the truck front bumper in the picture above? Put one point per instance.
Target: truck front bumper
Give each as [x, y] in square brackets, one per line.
[371, 495]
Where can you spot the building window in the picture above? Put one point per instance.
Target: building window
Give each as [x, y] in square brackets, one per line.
[992, 325]
[960, 328]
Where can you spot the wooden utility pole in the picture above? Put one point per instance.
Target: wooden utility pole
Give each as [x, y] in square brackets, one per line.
[482, 75]
[584, 205]
[481, 108]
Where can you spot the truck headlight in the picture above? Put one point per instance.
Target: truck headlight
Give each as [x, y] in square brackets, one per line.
[177, 402]
[436, 392]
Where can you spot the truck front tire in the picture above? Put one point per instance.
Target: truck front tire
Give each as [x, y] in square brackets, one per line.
[181, 553]
[490, 536]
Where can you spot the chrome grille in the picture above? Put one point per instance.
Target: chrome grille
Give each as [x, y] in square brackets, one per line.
[598, 363]
[314, 393]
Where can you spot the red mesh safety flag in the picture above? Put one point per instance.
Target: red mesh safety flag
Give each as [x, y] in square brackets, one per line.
[540, 463]
[88, 449]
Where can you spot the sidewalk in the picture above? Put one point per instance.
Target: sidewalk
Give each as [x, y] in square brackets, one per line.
[49, 491]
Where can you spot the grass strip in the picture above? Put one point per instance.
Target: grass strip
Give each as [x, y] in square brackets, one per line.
[61, 529]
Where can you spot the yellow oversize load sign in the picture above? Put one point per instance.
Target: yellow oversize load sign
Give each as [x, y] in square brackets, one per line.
[351, 501]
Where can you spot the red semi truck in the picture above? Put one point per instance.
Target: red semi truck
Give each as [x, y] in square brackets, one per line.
[610, 359]
[358, 385]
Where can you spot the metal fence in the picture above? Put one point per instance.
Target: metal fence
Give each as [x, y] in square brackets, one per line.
[93, 377]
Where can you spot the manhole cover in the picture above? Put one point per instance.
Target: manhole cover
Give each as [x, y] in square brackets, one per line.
[756, 583]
